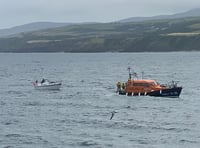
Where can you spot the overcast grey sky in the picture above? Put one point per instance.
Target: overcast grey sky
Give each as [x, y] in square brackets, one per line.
[18, 12]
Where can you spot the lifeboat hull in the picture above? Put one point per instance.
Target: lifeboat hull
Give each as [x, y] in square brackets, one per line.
[170, 92]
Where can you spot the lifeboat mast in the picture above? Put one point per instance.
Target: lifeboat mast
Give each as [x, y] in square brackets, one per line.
[135, 77]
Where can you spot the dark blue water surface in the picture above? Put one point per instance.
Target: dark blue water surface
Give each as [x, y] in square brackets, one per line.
[79, 114]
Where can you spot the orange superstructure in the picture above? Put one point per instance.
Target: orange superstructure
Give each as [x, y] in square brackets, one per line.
[142, 87]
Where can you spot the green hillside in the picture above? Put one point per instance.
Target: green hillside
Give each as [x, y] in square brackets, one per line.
[159, 35]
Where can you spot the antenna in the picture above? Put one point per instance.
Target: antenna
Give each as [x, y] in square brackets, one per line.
[129, 72]
[42, 71]
[142, 74]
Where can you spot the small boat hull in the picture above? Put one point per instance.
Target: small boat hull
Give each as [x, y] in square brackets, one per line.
[56, 86]
[122, 92]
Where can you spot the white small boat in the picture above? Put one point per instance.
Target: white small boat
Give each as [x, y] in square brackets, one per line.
[45, 84]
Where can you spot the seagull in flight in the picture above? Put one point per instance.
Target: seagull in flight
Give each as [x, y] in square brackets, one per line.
[112, 114]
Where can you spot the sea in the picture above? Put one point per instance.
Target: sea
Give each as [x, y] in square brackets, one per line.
[79, 114]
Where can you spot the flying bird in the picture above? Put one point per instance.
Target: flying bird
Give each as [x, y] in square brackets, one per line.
[112, 114]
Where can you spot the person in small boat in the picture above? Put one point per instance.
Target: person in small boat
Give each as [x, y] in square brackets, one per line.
[123, 86]
[35, 83]
[43, 80]
[118, 86]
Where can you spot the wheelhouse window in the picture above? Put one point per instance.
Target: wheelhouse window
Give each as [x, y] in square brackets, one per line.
[154, 83]
[141, 84]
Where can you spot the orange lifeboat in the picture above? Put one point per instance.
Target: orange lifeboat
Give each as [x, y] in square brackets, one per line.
[139, 87]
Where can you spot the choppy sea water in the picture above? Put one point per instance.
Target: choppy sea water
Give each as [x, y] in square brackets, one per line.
[79, 114]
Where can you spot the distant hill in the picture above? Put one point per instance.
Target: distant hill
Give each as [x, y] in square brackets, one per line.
[190, 13]
[48, 25]
[31, 27]
[180, 34]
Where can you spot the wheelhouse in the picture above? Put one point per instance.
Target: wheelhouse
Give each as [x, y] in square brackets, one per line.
[142, 86]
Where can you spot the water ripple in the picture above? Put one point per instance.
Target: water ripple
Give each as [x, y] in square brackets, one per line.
[79, 114]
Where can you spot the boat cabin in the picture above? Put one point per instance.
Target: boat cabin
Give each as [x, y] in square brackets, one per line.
[141, 87]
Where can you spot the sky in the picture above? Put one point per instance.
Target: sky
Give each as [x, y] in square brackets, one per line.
[19, 12]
